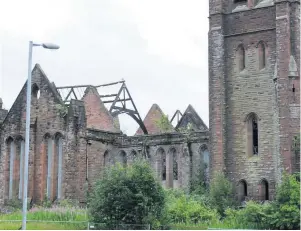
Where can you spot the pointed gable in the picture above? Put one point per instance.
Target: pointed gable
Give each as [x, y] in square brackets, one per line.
[97, 115]
[191, 117]
[39, 82]
[39, 77]
[151, 119]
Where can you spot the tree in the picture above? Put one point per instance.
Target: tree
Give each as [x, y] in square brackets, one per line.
[128, 196]
[163, 124]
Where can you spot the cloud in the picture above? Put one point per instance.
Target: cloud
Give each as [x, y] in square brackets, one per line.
[158, 47]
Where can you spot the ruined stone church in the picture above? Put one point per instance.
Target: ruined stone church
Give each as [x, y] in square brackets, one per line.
[254, 115]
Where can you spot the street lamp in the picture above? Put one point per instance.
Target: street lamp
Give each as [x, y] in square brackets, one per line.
[28, 105]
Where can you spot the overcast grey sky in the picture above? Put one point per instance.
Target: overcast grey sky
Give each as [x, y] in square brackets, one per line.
[159, 47]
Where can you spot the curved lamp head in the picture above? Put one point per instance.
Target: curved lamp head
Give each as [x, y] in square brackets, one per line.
[50, 46]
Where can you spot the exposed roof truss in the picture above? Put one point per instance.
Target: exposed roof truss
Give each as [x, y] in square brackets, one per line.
[118, 103]
[177, 115]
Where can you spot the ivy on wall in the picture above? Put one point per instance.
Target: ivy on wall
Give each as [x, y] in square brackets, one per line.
[62, 109]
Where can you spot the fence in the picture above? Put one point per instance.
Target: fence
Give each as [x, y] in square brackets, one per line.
[67, 225]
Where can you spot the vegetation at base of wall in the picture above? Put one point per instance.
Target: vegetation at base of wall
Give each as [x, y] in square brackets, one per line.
[283, 213]
[221, 193]
[180, 210]
[183, 208]
[14, 204]
[198, 184]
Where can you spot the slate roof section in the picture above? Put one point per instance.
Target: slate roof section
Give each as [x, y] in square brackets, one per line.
[190, 116]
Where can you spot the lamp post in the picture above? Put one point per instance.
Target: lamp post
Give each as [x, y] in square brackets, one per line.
[27, 138]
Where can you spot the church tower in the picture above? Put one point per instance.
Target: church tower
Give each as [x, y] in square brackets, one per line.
[254, 92]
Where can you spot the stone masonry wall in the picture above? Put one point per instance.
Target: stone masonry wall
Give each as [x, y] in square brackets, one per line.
[266, 92]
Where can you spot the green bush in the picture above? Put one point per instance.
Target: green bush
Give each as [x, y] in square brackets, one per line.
[186, 209]
[253, 216]
[287, 205]
[221, 193]
[128, 195]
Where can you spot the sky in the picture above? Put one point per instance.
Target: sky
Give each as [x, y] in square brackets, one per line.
[159, 47]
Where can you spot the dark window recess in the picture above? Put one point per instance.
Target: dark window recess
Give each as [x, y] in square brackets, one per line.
[164, 169]
[255, 136]
[175, 167]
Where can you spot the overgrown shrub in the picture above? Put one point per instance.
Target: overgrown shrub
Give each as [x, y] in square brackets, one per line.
[287, 205]
[183, 208]
[221, 193]
[126, 196]
[253, 216]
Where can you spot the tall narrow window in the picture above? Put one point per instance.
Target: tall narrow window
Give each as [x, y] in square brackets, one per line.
[252, 134]
[261, 55]
[175, 166]
[21, 149]
[160, 164]
[106, 159]
[59, 163]
[49, 167]
[205, 163]
[163, 166]
[255, 136]
[241, 58]
[11, 154]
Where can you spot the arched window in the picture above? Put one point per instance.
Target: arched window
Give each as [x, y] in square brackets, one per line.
[241, 58]
[264, 190]
[35, 92]
[261, 55]
[133, 155]
[122, 158]
[252, 134]
[242, 190]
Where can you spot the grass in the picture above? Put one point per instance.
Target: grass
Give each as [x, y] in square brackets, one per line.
[43, 226]
[55, 218]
